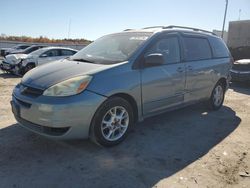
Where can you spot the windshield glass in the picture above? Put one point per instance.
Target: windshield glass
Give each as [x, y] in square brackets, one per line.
[17, 47]
[29, 49]
[112, 48]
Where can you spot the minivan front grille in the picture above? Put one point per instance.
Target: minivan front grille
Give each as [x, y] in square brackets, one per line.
[30, 91]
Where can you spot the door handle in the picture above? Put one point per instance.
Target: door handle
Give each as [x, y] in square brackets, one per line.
[189, 68]
[179, 69]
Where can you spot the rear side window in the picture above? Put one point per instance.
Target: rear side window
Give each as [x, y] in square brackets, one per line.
[67, 52]
[52, 53]
[219, 48]
[23, 47]
[32, 49]
[197, 49]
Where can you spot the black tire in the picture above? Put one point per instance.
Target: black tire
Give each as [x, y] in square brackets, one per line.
[21, 71]
[29, 67]
[213, 104]
[96, 133]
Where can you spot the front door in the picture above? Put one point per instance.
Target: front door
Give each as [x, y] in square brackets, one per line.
[163, 85]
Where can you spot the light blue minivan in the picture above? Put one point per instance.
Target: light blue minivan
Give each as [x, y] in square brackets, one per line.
[104, 89]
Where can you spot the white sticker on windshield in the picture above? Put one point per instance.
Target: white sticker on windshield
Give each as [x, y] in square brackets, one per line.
[138, 38]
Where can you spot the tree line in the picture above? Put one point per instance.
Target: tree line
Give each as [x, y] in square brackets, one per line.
[43, 39]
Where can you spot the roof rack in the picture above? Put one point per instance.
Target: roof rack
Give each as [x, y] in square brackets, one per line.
[180, 27]
[190, 28]
[153, 27]
[128, 29]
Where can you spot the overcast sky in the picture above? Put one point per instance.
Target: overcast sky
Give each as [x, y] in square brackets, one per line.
[91, 19]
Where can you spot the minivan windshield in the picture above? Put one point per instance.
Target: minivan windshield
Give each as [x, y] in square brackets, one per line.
[112, 48]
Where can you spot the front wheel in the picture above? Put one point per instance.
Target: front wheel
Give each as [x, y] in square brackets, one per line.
[217, 96]
[28, 67]
[112, 122]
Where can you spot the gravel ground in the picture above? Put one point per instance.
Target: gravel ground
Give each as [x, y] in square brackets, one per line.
[191, 147]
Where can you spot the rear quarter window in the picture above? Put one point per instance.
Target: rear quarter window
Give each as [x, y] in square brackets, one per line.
[196, 48]
[219, 48]
[67, 52]
[52, 53]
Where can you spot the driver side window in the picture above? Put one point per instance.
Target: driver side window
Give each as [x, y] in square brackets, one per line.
[169, 48]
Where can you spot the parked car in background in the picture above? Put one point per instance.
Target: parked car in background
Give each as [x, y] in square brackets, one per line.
[101, 91]
[28, 50]
[241, 70]
[12, 62]
[6, 51]
[3, 50]
[43, 56]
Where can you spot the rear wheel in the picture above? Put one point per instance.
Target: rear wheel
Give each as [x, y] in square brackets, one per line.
[112, 122]
[217, 96]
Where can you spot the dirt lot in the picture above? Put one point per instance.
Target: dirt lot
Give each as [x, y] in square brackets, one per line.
[190, 147]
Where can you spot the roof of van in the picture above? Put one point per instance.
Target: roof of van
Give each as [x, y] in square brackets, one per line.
[156, 29]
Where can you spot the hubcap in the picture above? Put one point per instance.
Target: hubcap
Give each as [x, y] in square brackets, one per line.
[115, 123]
[218, 95]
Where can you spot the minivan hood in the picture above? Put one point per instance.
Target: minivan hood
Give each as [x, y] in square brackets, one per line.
[49, 74]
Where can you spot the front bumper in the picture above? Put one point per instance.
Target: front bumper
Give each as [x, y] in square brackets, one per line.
[56, 117]
[6, 66]
[12, 68]
[240, 76]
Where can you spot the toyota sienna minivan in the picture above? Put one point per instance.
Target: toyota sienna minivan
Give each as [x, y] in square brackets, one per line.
[120, 79]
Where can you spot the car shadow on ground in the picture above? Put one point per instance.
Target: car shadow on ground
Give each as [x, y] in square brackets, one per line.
[156, 149]
[5, 75]
[240, 87]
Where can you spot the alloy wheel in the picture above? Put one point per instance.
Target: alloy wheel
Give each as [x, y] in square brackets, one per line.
[218, 95]
[115, 123]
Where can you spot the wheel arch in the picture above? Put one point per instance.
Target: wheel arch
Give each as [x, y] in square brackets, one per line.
[31, 63]
[131, 101]
[224, 82]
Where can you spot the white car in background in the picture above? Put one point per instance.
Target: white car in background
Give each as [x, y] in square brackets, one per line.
[11, 62]
[6, 51]
[43, 56]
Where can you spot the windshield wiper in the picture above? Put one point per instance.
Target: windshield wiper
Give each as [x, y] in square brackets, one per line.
[83, 60]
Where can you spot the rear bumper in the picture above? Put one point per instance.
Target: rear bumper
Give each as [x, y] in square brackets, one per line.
[240, 76]
[57, 117]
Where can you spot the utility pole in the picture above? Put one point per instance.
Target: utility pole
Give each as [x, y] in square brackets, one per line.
[239, 13]
[225, 15]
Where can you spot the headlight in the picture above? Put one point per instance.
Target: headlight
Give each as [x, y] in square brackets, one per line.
[68, 87]
[19, 61]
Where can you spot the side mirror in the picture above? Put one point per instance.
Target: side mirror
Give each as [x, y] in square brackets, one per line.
[154, 59]
[44, 55]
